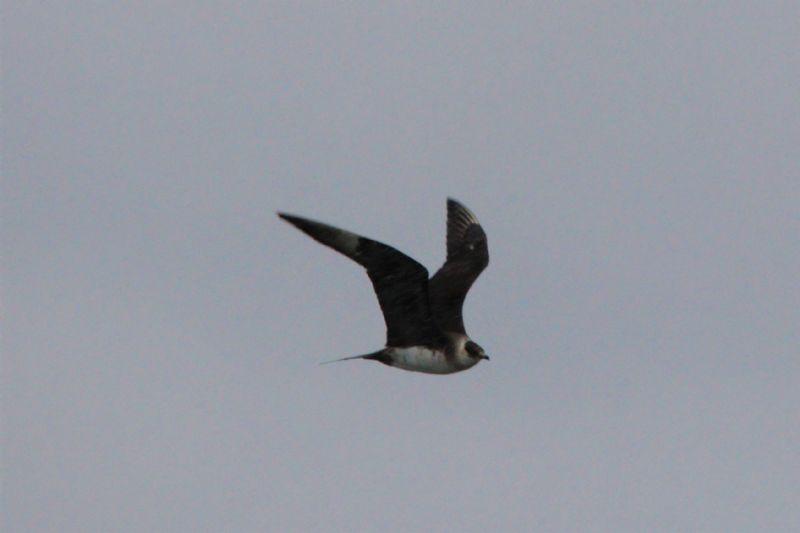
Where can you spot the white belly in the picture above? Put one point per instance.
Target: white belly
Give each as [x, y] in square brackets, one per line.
[419, 359]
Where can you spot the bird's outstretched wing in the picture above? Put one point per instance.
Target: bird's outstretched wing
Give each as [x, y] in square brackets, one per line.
[467, 257]
[400, 282]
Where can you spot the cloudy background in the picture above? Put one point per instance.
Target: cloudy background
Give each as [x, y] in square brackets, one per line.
[635, 167]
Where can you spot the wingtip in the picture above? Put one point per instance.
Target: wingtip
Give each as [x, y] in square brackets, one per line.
[458, 210]
[457, 205]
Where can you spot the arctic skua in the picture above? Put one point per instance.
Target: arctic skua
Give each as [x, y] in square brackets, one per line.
[424, 324]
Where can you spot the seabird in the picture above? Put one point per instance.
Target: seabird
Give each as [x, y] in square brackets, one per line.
[424, 327]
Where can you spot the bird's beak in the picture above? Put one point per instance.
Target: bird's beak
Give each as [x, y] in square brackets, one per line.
[485, 357]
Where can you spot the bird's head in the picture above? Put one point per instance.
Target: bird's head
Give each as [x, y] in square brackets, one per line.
[474, 351]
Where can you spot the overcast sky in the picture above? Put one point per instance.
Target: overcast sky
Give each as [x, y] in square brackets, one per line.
[635, 168]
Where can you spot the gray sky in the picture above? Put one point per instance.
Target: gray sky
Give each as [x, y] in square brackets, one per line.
[636, 169]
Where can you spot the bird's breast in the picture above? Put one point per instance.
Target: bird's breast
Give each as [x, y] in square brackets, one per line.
[424, 359]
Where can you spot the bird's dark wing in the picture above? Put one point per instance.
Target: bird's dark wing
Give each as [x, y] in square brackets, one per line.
[467, 256]
[400, 282]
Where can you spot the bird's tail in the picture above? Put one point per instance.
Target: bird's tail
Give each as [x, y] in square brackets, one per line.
[379, 356]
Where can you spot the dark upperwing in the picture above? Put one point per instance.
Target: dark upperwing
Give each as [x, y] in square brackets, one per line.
[467, 257]
[400, 282]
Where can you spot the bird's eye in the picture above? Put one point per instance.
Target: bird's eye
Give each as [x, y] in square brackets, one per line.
[470, 247]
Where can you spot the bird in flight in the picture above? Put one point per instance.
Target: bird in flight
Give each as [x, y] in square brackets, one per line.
[424, 325]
